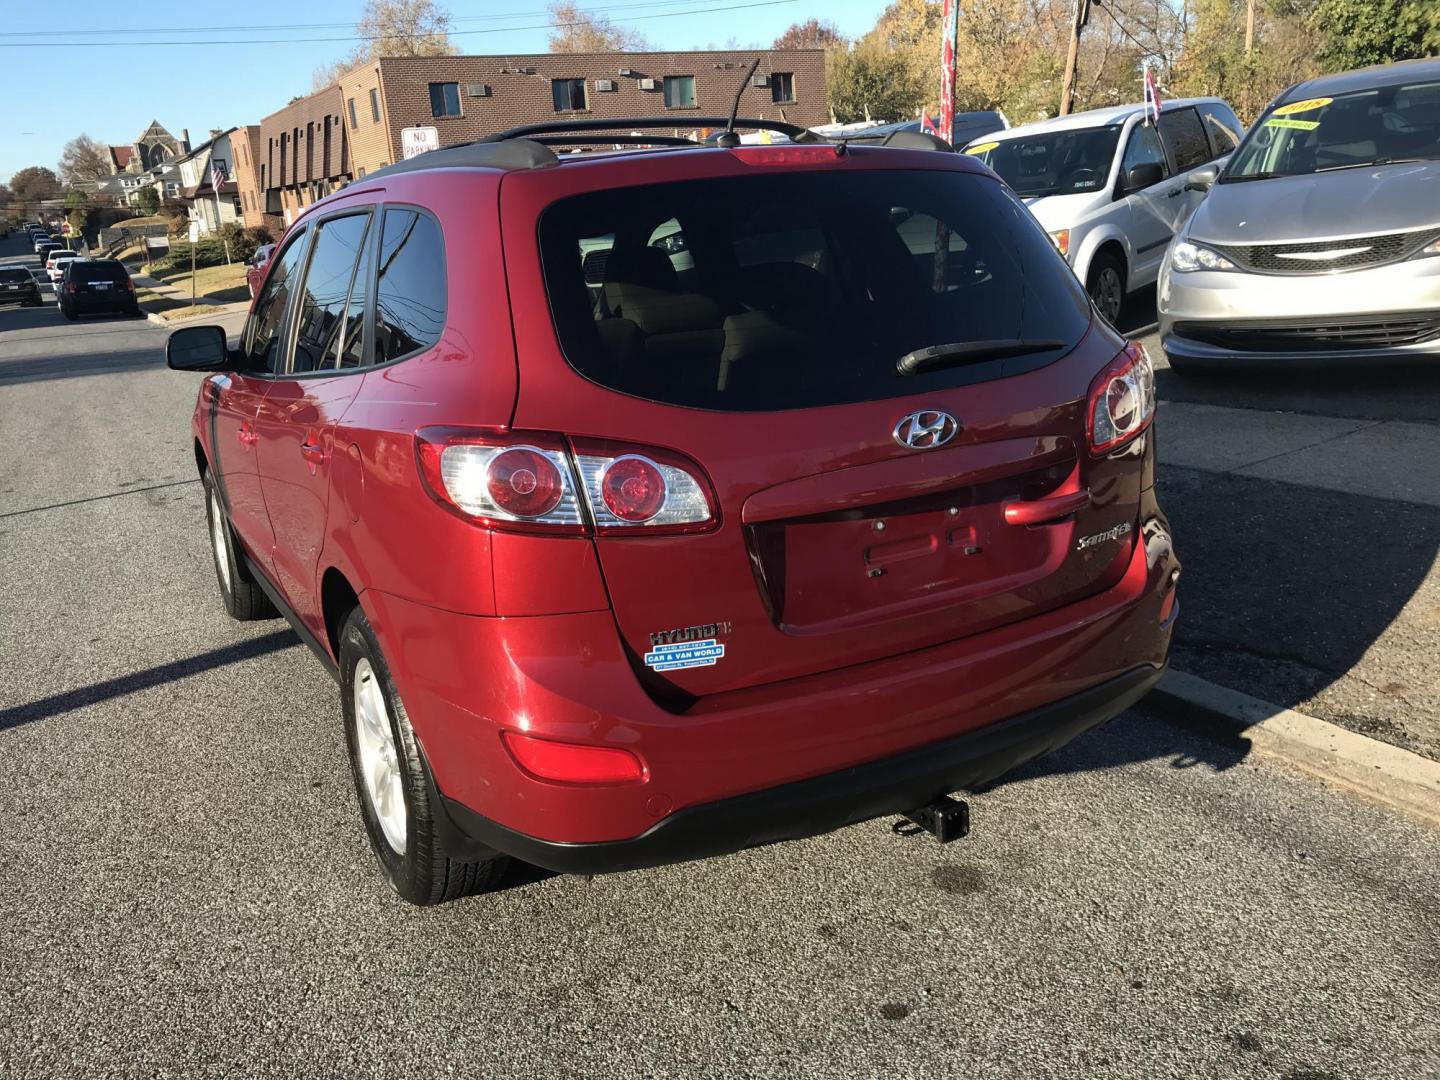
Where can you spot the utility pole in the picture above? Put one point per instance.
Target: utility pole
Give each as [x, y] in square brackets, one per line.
[1249, 25]
[1067, 88]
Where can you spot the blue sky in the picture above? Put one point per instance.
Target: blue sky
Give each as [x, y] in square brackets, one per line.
[218, 86]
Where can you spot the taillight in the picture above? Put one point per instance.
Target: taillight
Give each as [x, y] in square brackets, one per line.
[530, 481]
[511, 480]
[1121, 402]
[70, 288]
[572, 763]
[628, 488]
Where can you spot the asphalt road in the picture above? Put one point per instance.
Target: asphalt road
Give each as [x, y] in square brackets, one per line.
[187, 889]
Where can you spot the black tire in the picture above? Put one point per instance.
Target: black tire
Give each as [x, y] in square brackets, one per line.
[69, 314]
[421, 870]
[1106, 285]
[242, 596]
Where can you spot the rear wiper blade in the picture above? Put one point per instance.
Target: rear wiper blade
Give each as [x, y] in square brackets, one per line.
[935, 357]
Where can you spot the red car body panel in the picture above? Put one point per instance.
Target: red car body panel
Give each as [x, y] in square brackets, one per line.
[974, 616]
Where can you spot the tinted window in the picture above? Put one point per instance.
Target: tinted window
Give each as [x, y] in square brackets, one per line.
[14, 276]
[568, 94]
[444, 99]
[98, 271]
[1142, 149]
[1053, 163]
[323, 298]
[800, 290]
[679, 91]
[1224, 129]
[410, 308]
[1185, 137]
[262, 333]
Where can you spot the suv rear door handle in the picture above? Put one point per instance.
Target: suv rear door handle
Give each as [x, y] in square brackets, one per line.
[246, 435]
[314, 453]
[1173, 192]
[1050, 508]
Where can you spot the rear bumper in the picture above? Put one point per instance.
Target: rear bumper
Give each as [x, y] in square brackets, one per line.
[821, 804]
[466, 679]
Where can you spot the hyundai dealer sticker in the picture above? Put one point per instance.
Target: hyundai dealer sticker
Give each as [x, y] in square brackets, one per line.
[684, 654]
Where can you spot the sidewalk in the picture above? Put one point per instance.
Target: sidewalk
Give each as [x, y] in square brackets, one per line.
[1310, 550]
[169, 304]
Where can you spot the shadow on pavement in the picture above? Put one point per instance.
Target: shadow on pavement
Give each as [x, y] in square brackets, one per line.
[1363, 392]
[76, 365]
[143, 680]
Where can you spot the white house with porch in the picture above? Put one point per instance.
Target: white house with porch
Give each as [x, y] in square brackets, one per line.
[207, 183]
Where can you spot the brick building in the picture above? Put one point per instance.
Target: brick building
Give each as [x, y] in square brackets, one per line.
[467, 97]
[303, 156]
[246, 144]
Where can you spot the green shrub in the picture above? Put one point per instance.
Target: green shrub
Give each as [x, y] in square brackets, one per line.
[208, 252]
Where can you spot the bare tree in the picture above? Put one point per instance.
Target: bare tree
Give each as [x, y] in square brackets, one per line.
[576, 31]
[83, 160]
[393, 28]
[810, 34]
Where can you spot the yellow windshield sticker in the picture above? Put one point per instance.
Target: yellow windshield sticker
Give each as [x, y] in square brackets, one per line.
[1307, 105]
[982, 148]
[1298, 125]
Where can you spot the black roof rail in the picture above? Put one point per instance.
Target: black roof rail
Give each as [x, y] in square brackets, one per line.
[481, 154]
[796, 132]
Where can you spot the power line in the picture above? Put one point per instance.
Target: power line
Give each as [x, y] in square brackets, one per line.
[493, 17]
[378, 37]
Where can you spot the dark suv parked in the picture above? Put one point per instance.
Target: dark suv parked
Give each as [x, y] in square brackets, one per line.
[18, 286]
[627, 549]
[96, 285]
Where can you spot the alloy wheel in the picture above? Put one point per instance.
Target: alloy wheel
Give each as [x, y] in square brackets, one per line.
[380, 773]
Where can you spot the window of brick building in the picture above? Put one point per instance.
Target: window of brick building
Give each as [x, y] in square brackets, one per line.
[782, 87]
[375, 105]
[679, 91]
[568, 94]
[350, 106]
[444, 99]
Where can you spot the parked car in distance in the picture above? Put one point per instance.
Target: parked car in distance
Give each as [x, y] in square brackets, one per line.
[39, 240]
[255, 267]
[840, 502]
[92, 286]
[53, 269]
[1111, 189]
[1320, 242]
[18, 286]
[45, 252]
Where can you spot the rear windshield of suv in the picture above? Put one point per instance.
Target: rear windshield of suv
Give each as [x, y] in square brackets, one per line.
[799, 290]
[97, 271]
[15, 277]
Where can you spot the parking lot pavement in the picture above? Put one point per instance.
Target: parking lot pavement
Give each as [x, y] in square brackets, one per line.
[188, 890]
[1307, 509]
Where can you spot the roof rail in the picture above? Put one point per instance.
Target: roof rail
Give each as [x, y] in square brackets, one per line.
[796, 132]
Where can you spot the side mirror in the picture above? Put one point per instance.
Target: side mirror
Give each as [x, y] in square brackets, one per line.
[1202, 179]
[1143, 175]
[198, 348]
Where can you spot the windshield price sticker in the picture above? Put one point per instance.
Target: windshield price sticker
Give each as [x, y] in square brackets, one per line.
[684, 654]
[1308, 105]
[1298, 125]
[982, 148]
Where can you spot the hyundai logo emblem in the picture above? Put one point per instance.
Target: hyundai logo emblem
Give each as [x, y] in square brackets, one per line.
[926, 429]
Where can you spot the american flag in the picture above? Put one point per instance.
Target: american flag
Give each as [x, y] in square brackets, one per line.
[217, 174]
[1152, 97]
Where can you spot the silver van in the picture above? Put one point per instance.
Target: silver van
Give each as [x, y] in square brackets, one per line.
[1110, 187]
[1320, 242]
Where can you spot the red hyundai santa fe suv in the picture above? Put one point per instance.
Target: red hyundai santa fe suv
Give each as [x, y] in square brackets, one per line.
[658, 503]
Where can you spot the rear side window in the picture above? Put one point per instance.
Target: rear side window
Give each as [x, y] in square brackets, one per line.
[1185, 137]
[262, 333]
[798, 290]
[325, 295]
[1223, 127]
[15, 277]
[410, 292]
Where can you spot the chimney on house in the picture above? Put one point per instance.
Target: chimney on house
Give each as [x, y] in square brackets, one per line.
[184, 140]
[215, 133]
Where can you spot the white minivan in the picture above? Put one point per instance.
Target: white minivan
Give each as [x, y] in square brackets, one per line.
[1110, 187]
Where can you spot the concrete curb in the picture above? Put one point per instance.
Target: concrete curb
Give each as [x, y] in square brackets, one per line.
[1366, 766]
